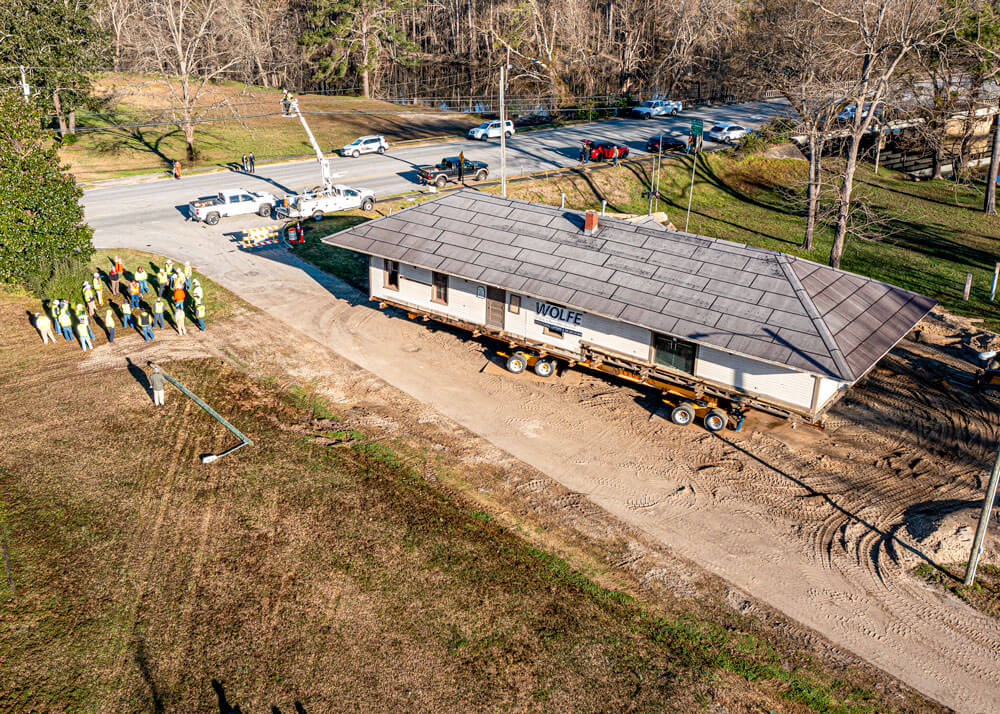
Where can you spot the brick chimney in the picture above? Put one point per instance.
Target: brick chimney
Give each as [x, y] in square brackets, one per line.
[590, 225]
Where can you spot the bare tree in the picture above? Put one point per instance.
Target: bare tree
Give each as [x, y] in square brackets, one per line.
[119, 18]
[873, 38]
[186, 42]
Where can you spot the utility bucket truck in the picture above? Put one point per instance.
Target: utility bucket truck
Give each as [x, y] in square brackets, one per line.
[326, 198]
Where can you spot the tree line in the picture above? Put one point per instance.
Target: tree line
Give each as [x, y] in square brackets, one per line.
[925, 59]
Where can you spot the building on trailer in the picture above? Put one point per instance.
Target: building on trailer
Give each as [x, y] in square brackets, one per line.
[718, 326]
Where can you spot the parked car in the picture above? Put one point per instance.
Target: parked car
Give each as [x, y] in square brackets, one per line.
[656, 107]
[666, 142]
[365, 145]
[726, 133]
[317, 203]
[848, 112]
[604, 150]
[232, 202]
[447, 170]
[491, 130]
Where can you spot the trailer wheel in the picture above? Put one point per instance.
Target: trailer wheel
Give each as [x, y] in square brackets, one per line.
[715, 420]
[517, 363]
[545, 368]
[682, 414]
[212, 218]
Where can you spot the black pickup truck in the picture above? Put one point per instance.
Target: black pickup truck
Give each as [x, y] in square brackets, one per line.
[448, 170]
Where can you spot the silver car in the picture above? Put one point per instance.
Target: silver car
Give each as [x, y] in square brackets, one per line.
[365, 145]
[726, 133]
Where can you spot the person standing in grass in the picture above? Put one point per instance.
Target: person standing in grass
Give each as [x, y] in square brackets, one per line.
[161, 281]
[199, 314]
[126, 315]
[113, 277]
[85, 341]
[158, 306]
[145, 325]
[196, 292]
[88, 297]
[99, 289]
[85, 321]
[44, 326]
[158, 383]
[66, 325]
[253, 163]
[188, 272]
[133, 292]
[179, 321]
[179, 298]
[109, 322]
[142, 278]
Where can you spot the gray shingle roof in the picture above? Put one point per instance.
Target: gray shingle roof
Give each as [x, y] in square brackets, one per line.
[738, 298]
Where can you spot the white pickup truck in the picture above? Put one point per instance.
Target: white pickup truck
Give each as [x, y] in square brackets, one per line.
[232, 202]
[317, 203]
[656, 108]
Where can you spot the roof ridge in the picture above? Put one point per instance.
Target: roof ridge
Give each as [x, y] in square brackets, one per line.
[817, 319]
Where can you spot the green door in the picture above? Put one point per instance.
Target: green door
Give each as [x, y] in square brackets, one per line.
[672, 352]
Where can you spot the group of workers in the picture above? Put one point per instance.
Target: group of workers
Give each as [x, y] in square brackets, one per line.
[144, 313]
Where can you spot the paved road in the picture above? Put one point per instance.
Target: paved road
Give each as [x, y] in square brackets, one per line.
[158, 204]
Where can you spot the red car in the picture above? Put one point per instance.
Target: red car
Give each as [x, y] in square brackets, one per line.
[604, 150]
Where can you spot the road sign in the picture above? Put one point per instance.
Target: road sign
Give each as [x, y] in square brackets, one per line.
[697, 125]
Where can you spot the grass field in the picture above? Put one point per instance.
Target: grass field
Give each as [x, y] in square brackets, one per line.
[113, 152]
[934, 235]
[141, 580]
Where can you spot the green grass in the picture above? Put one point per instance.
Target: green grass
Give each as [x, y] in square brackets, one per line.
[935, 232]
[347, 265]
[984, 594]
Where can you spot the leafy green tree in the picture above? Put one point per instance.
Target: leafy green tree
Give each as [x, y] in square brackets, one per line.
[356, 35]
[58, 45]
[41, 220]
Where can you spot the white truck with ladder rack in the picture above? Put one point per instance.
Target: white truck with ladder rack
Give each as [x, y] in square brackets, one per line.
[328, 197]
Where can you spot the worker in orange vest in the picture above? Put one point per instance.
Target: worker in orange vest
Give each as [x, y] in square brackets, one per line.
[133, 291]
[179, 299]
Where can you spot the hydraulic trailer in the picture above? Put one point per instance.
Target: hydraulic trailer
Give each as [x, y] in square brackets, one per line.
[687, 398]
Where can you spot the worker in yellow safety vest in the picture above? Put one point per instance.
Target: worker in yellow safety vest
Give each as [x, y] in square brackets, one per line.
[109, 323]
[85, 339]
[142, 278]
[179, 321]
[98, 289]
[44, 326]
[199, 315]
[161, 281]
[66, 325]
[158, 306]
[126, 315]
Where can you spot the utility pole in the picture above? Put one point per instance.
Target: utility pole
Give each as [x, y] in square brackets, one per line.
[984, 519]
[652, 176]
[697, 126]
[503, 127]
[24, 84]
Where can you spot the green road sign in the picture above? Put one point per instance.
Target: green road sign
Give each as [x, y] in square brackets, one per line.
[697, 125]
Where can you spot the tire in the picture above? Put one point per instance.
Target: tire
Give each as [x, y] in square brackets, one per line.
[509, 134]
[381, 149]
[673, 112]
[517, 363]
[212, 219]
[715, 420]
[545, 368]
[367, 205]
[480, 175]
[682, 414]
[317, 215]
[440, 181]
[355, 154]
[483, 137]
[264, 211]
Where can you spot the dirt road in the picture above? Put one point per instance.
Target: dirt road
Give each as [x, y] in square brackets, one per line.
[822, 526]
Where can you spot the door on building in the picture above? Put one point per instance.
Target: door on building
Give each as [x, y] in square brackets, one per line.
[672, 352]
[495, 303]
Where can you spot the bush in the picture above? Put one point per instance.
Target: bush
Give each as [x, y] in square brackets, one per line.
[63, 281]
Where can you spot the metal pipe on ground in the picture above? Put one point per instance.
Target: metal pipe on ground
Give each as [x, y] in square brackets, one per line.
[209, 458]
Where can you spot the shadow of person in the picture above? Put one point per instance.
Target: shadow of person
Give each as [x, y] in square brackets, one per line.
[224, 706]
[140, 376]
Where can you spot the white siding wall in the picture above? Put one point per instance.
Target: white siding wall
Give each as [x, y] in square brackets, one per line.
[415, 289]
[465, 302]
[828, 389]
[753, 377]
